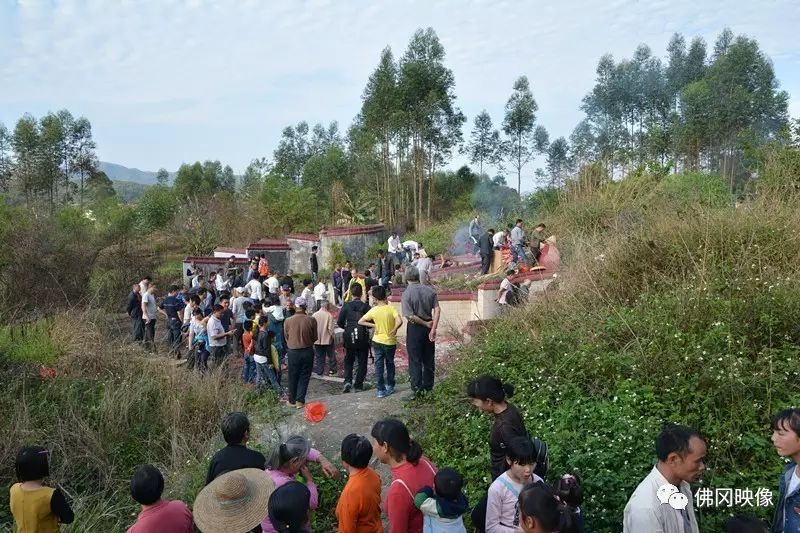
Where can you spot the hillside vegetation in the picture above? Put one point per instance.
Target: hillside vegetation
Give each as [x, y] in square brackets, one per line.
[676, 305]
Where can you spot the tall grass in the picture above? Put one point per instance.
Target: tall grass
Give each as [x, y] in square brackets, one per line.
[109, 408]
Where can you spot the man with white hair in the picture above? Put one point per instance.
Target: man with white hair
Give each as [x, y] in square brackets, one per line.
[300, 331]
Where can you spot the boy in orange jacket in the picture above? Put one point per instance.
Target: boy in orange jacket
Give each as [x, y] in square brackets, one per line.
[359, 507]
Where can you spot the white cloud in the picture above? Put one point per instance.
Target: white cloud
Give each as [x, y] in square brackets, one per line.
[171, 81]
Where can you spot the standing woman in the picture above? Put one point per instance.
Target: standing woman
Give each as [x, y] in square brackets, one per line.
[489, 395]
[410, 472]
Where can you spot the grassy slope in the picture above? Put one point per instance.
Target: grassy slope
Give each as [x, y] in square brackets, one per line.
[675, 306]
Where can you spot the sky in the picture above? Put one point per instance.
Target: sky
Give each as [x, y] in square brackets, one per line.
[165, 82]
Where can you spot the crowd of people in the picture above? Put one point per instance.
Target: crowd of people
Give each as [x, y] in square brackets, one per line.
[278, 330]
[246, 492]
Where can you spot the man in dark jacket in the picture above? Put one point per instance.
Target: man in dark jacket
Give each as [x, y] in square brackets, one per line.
[486, 248]
[135, 312]
[786, 439]
[314, 265]
[236, 455]
[356, 340]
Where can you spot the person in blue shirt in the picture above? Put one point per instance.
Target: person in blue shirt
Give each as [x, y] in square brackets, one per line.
[172, 308]
[786, 439]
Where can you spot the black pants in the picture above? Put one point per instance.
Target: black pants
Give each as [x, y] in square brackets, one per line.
[174, 332]
[478, 515]
[300, 363]
[358, 356]
[486, 260]
[217, 355]
[150, 334]
[420, 357]
[138, 328]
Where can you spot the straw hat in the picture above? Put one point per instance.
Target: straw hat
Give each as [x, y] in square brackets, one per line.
[235, 502]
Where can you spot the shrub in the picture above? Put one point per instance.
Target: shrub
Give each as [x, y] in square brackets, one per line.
[659, 316]
[108, 409]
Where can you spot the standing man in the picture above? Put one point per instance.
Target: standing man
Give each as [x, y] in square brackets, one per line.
[475, 232]
[394, 247]
[486, 249]
[356, 341]
[337, 285]
[386, 321]
[273, 285]
[680, 451]
[420, 307]
[499, 239]
[517, 240]
[217, 336]
[149, 314]
[314, 264]
[323, 346]
[385, 267]
[288, 280]
[300, 331]
[172, 307]
[537, 239]
[321, 292]
[135, 312]
[253, 288]
[786, 439]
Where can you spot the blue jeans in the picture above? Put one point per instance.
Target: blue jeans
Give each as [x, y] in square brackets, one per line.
[249, 369]
[384, 358]
[265, 375]
[322, 352]
[518, 253]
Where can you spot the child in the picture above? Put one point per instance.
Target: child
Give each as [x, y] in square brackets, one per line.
[249, 369]
[359, 507]
[570, 494]
[540, 511]
[266, 359]
[442, 508]
[163, 516]
[288, 508]
[198, 341]
[502, 512]
[35, 507]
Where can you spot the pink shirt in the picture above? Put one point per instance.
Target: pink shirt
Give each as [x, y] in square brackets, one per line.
[281, 478]
[164, 517]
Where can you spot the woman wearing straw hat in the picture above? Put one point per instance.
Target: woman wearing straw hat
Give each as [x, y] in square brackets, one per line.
[235, 502]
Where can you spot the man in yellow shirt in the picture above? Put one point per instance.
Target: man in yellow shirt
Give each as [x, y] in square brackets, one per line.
[386, 321]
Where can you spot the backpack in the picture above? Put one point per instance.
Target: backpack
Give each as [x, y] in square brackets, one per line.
[356, 336]
[514, 295]
[541, 458]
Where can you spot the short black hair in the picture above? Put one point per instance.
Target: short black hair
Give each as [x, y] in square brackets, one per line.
[356, 451]
[234, 426]
[195, 299]
[379, 292]
[288, 507]
[307, 281]
[521, 450]
[314, 248]
[540, 225]
[217, 307]
[174, 288]
[32, 463]
[225, 297]
[147, 485]
[248, 325]
[448, 484]
[263, 321]
[674, 438]
[356, 291]
[519, 220]
[788, 419]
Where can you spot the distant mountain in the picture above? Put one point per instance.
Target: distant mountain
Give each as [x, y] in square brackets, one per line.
[119, 173]
[129, 191]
